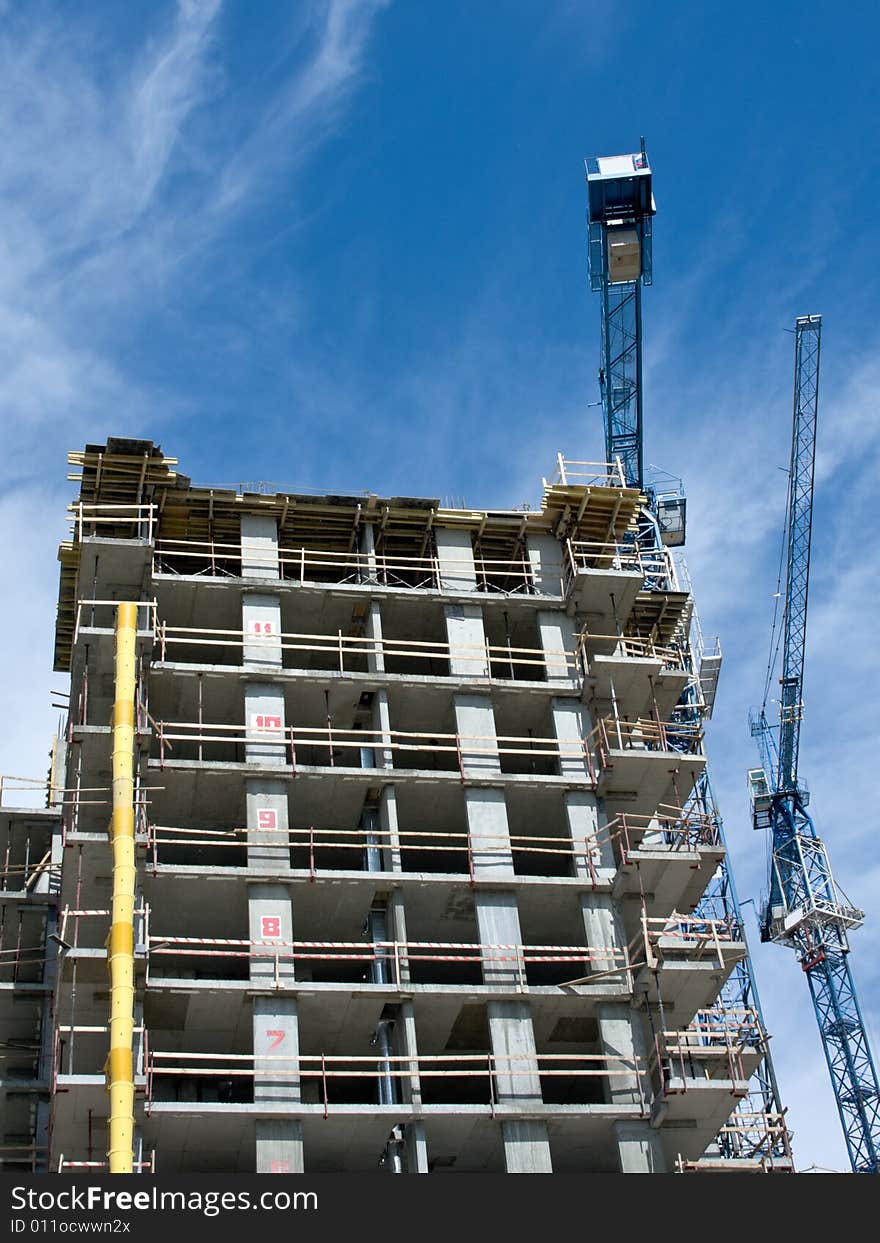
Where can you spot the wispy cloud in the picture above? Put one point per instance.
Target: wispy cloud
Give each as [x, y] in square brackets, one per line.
[125, 159]
[327, 62]
[86, 148]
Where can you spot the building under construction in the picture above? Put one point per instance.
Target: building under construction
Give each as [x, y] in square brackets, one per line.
[376, 839]
[379, 834]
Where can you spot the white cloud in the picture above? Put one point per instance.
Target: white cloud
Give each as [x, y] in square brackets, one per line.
[328, 65]
[109, 161]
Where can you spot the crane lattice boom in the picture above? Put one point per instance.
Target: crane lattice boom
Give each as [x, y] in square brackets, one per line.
[805, 909]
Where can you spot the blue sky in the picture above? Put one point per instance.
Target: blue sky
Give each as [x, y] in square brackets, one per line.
[342, 245]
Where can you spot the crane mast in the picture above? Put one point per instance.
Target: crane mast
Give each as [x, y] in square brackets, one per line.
[805, 909]
[620, 221]
[621, 207]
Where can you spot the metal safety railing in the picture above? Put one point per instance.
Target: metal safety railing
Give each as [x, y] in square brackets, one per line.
[712, 1046]
[23, 1156]
[505, 1077]
[71, 918]
[135, 521]
[71, 1043]
[674, 828]
[397, 845]
[615, 733]
[507, 966]
[147, 1166]
[347, 652]
[671, 828]
[631, 647]
[101, 615]
[23, 946]
[41, 786]
[570, 472]
[319, 746]
[26, 855]
[655, 565]
[664, 938]
[755, 1137]
[426, 571]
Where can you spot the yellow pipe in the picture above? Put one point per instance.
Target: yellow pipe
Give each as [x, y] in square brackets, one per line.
[120, 1076]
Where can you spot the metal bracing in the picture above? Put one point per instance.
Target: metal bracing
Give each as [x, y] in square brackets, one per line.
[848, 1056]
[621, 376]
[800, 526]
[805, 910]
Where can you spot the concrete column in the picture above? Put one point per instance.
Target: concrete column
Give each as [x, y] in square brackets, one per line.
[382, 757]
[468, 656]
[259, 546]
[455, 555]
[267, 824]
[512, 1036]
[279, 1146]
[261, 623]
[571, 725]
[278, 1141]
[585, 816]
[511, 1032]
[621, 1039]
[265, 742]
[415, 1148]
[603, 929]
[546, 556]
[388, 823]
[558, 642]
[526, 1147]
[373, 630]
[639, 1148]
[397, 931]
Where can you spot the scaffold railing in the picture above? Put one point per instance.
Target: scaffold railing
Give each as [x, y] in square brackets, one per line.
[136, 521]
[631, 647]
[70, 919]
[571, 473]
[661, 937]
[615, 733]
[23, 1156]
[481, 660]
[508, 1078]
[507, 965]
[751, 1138]
[69, 1165]
[717, 1037]
[471, 756]
[494, 660]
[67, 1048]
[654, 565]
[26, 855]
[101, 615]
[672, 829]
[426, 571]
[10, 784]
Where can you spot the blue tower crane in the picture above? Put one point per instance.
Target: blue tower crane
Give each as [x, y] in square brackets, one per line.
[621, 207]
[620, 219]
[805, 909]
